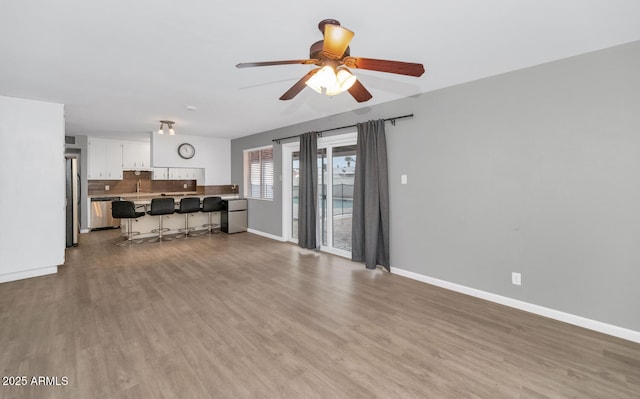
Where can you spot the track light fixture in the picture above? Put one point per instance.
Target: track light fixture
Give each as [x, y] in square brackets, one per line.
[169, 125]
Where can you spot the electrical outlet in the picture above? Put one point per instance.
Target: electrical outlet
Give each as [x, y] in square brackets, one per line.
[185, 185]
[106, 187]
[403, 179]
[516, 278]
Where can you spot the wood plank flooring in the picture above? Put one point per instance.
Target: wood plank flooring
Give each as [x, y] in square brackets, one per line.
[242, 316]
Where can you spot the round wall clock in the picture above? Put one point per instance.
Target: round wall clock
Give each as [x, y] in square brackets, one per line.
[186, 151]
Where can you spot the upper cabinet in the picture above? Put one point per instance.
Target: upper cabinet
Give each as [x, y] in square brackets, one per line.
[97, 156]
[104, 160]
[108, 158]
[186, 174]
[160, 174]
[196, 174]
[136, 155]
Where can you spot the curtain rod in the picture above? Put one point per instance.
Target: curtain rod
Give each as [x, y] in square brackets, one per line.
[393, 122]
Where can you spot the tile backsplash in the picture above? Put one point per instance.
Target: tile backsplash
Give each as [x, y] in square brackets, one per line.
[130, 180]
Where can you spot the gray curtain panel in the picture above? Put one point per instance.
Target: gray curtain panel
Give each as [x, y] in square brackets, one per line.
[370, 224]
[308, 195]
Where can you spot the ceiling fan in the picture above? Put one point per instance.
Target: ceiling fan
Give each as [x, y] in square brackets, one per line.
[332, 56]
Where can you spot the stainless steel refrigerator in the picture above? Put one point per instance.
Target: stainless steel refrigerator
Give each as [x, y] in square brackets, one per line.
[72, 201]
[233, 218]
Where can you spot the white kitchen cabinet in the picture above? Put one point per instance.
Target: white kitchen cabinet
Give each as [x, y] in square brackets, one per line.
[160, 173]
[199, 176]
[113, 161]
[188, 174]
[97, 150]
[177, 173]
[196, 174]
[183, 173]
[145, 154]
[104, 160]
[136, 155]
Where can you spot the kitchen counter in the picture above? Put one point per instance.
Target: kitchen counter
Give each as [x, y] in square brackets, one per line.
[133, 196]
[149, 196]
[146, 199]
[145, 224]
[145, 195]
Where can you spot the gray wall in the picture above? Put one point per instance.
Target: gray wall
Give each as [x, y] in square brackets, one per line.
[265, 216]
[535, 171]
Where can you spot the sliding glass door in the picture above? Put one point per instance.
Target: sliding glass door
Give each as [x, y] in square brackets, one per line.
[336, 167]
[342, 171]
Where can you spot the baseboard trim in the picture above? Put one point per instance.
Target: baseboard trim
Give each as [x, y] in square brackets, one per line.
[580, 321]
[5, 278]
[267, 235]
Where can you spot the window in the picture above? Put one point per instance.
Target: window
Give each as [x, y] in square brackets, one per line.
[258, 173]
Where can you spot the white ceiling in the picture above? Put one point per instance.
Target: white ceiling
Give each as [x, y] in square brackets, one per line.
[121, 65]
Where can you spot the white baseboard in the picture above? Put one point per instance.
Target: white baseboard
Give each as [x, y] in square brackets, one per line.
[580, 321]
[4, 278]
[267, 235]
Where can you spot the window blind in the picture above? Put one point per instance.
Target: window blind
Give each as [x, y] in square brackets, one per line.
[259, 167]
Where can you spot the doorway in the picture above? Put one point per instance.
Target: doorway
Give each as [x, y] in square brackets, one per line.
[336, 172]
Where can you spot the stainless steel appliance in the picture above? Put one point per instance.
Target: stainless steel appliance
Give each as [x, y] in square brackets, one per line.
[233, 218]
[72, 199]
[101, 213]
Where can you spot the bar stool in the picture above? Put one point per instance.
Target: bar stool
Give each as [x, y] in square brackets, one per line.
[126, 210]
[161, 207]
[188, 206]
[210, 205]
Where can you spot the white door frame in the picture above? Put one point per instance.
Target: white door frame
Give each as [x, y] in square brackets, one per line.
[287, 154]
[287, 151]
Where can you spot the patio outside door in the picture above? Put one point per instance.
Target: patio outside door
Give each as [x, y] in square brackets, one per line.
[336, 167]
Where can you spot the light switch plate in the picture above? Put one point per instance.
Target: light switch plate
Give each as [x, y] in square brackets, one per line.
[403, 179]
[106, 187]
[516, 278]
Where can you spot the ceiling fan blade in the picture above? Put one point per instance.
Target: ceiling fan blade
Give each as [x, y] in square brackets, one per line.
[359, 92]
[270, 63]
[399, 67]
[297, 88]
[336, 40]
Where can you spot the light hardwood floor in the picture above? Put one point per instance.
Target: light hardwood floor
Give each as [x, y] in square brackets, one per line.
[242, 316]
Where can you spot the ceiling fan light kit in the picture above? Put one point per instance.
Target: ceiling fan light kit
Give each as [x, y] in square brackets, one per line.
[333, 58]
[336, 40]
[327, 81]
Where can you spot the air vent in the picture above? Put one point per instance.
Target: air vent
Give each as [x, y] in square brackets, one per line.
[69, 139]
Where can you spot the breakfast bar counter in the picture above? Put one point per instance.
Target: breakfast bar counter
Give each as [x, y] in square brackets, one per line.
[174, 222]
